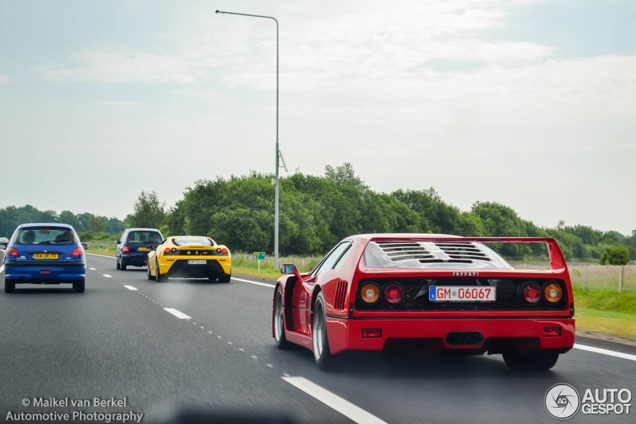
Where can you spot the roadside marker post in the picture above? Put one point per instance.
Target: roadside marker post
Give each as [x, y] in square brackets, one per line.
[260, 256]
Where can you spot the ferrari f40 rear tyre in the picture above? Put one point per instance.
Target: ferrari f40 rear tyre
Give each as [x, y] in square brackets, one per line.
[538, 361]
[322, 353]
[279, 321]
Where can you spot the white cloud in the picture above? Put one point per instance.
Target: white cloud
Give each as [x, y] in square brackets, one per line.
[117, 66]
[5, 79]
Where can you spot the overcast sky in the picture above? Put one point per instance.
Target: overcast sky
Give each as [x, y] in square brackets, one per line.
[528, 103]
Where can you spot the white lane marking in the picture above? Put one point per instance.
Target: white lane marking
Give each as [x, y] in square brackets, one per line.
[92, 269]
[605, 352]
[333, 401]
[1, 268]
[253, 282]
[270, 365]
[101, 255]
[107, 276]
[131, 288]
[176, 313]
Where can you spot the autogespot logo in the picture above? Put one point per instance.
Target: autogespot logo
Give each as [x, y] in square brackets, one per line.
[562, 401]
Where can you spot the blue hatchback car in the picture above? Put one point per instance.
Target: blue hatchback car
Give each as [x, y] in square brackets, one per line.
[44, 254]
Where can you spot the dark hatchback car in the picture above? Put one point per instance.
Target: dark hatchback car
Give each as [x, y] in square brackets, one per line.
[44, 254]
[134, 245]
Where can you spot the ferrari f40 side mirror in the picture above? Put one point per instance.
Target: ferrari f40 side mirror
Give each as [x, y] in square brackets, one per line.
[288, 269]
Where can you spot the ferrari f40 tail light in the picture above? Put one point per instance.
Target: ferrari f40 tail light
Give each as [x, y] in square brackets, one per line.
[552, 293]
[393, 293]
[370, 293]
[530, 293]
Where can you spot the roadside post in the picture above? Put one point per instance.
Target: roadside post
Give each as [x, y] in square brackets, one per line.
[100, 248]
[259, 256]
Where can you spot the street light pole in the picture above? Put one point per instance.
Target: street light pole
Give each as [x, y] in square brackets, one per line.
[277, 189]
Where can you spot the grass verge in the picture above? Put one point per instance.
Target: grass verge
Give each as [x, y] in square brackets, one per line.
[602, 299]
[606, 322]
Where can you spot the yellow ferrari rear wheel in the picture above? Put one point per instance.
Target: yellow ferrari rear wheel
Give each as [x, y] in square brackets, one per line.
[158, 277]
[225, 278]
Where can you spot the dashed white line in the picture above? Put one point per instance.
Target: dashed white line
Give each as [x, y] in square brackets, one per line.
[254, 282]
[270, 365]
[92, 269]
[131, 288]
[254, 356]
[1, 268]
[107, 276]
[605, 352]
[210, 332]
[229, 343]
[333, 401]
[177, 313]
[100, 255]
[241, 349]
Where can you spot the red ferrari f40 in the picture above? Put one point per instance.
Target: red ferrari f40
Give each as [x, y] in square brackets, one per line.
[427, 293]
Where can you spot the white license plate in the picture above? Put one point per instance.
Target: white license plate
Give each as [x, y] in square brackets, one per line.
[461, 294]
[197, 262]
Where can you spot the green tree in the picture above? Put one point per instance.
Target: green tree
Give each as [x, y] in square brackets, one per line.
[148, 211]
[96, 224]
[616, 255]
[344, 175]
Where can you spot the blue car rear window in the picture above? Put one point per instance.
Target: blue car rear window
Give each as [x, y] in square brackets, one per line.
[141, 237]
[46, 236]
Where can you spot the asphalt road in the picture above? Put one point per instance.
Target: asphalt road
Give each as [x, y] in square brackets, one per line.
[117, 340]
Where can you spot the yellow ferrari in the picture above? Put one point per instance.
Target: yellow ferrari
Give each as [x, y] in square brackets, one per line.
[190, 257]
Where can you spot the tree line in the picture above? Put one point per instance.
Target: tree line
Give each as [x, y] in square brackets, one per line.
[12, 216]
[318, 211]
